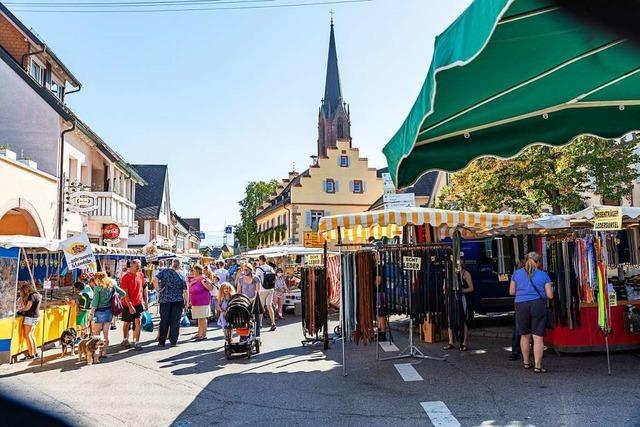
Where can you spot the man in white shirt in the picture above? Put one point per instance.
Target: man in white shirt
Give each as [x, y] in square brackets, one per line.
[267, 277]
[221, 272]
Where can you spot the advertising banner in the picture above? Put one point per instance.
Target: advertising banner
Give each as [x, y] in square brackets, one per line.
[78, 253]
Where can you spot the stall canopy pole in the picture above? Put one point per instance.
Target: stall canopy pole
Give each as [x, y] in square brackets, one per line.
[342, 290]
[326, 285]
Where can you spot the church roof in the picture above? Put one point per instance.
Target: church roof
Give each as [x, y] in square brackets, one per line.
[332, 89]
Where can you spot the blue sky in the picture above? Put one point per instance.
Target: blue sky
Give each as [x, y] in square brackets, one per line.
[227, 97]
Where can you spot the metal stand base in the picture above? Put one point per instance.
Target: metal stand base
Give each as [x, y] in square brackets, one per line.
[412, 352]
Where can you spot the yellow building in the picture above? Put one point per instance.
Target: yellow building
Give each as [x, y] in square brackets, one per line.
[339, 181]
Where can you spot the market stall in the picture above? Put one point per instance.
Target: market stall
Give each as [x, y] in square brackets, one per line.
[405, 274]
[42, 262]
[575, 247]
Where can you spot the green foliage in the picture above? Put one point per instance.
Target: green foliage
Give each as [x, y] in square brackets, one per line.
[544, 177]
[256, 193]
[205, 251]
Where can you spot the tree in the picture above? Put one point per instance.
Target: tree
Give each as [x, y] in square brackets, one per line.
[542, 176]
[205, 251]
[256, 193]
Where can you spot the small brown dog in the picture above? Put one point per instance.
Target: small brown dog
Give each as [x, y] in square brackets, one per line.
[89, 348]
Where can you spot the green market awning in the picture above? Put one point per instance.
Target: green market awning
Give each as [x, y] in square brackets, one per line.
[511, 73]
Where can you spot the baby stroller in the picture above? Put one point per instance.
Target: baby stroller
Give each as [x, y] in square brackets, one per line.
[240, 332]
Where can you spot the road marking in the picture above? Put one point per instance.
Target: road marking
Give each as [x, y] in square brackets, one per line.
[439, 414]
[388, 346]
[408, 372]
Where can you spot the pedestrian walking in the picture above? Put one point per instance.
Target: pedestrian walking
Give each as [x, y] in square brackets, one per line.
[225, 293]
[132, 282]
[249, 286]
[30, 299]
[279, 292]
[221, 272]
[531, 287]
[200, 288]
[172, 294]
[267, 277]
[101, 306]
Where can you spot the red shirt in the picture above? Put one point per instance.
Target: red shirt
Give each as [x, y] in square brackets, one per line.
[132, 284]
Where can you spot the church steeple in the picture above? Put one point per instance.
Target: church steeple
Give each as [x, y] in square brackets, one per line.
[332, 90]
[334, 120]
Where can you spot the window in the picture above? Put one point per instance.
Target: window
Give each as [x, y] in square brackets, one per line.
[315, 219]
[357, 186]
[37, 72]
[340, 129]
[56, 88]
[330, 186]
[140, 226]
[344, 161]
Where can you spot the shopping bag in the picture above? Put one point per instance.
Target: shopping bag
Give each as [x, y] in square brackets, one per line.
[184, 321]
[147, 321]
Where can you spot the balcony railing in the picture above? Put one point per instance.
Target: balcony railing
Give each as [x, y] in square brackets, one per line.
[113, 208]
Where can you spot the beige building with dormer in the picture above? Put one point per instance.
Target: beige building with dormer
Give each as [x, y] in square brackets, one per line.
[339, 181]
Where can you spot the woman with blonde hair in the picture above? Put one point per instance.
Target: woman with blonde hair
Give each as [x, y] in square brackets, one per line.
[30, 299]
[531, 287]
[225, 293]
[101, 306]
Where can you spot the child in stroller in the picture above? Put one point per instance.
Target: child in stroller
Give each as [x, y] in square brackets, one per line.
[240, 333]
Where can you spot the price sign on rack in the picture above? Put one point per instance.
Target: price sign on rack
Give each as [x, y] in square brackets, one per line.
[411, 262]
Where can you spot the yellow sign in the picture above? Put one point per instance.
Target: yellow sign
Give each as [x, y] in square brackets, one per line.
[314, 260]
[503, 277]
[312, 239]
[607, 219]
[411, 263]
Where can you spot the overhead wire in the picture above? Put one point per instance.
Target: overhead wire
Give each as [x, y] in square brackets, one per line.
[84, 8]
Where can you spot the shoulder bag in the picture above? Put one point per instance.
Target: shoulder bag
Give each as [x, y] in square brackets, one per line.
[550, 320]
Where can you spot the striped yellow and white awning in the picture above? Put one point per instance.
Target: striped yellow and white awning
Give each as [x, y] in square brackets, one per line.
[389, 222]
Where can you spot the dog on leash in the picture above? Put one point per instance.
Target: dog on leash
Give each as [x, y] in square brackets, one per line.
[68, 341]
[89, 349]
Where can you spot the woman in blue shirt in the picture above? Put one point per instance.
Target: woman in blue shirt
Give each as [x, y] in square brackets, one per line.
[531, 287]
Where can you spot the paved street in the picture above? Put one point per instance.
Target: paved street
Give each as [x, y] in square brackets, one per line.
[193, 384]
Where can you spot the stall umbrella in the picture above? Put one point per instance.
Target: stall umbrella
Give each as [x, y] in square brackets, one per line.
[507, 74]
[359, 227]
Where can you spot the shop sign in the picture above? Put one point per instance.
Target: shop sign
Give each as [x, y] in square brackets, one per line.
[387, 184]
[314, 260]
[110, 231]
[607, 219]
[411, 263]
[78, 253]
[312, 239]
[83, 202]
[403, 200]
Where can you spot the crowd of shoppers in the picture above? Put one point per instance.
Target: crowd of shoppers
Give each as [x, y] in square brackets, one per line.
[201, 292]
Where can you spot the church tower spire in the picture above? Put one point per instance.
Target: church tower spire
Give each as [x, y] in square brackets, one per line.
[333, 120]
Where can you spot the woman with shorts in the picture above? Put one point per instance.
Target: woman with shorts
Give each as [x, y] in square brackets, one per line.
[101, 306]
[531, 287]
[30, 299]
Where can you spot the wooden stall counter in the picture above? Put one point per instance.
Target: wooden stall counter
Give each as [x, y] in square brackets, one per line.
[588, 336]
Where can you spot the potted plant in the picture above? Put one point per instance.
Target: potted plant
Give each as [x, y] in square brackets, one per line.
[5, 150]
[26, 160]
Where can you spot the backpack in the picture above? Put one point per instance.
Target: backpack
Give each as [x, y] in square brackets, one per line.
[269, 279]
[116, 304]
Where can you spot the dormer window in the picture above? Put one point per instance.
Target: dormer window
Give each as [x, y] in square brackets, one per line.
[36, 71]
